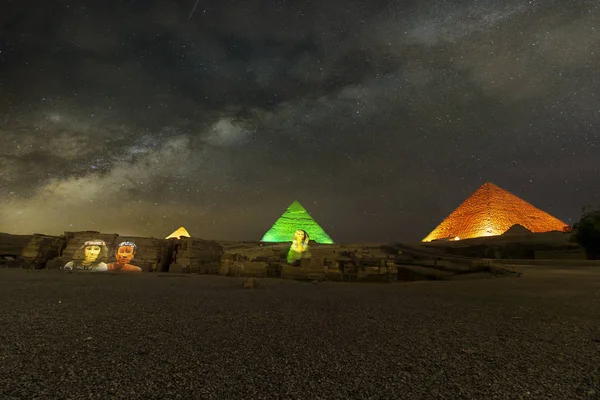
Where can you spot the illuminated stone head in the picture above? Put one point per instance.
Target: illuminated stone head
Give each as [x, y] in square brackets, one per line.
[92, 251]
[125, 252]
[300, 240]
[300, 235]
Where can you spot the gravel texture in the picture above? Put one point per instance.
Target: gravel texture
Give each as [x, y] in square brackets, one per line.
[75, 336]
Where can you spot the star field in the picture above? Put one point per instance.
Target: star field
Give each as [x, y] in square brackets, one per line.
[379, 117]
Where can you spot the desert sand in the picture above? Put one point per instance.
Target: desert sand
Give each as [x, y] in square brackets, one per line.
[200, 336]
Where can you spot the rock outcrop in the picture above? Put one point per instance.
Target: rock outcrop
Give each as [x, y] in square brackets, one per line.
[72, 242]
[351, 262]
[152, 254]
[196, 256]
[40, 249]
[11, 248]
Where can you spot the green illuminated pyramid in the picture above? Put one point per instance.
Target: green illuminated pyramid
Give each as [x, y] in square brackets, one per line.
[294, 218]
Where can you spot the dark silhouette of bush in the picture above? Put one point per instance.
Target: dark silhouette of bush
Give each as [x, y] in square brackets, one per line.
[587, 232]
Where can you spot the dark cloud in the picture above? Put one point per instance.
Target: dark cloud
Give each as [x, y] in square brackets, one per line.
[380, 117]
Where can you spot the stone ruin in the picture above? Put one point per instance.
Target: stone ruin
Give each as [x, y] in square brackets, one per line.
[193, 255]
[336, 262]
[12, 248]
[516, 244]
[377, 263]
[153, 255]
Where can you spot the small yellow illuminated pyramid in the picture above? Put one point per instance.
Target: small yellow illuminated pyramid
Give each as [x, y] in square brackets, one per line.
[179, 233]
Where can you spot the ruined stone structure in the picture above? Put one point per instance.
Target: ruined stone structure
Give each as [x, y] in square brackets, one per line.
[152, 255]
[11, 247]
[294, 218]
[71, 242]
[334, 262]
[196, 256]
[492, 211]
[39, 249]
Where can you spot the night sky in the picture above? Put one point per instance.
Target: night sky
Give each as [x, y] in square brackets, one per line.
[380, 117]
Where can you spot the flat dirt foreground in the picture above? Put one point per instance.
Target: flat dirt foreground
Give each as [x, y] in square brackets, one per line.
[204, 337]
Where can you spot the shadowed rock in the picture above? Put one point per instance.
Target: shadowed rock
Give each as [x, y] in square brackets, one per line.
[251, 283]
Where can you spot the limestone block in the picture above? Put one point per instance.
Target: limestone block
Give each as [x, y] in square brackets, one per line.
[250, 283]
[40, 249]
[148, 267]
[210, 268]
[179, 268]
[206, 250]
[13, 245]
[148, 251]
[236, 268]
[317, 264]
[184, 261]
[225, 265]
[313, 268]
[194, 267]
[40, 243]
[305, 263]
[292, 272]
[274, 269]
[333, 275]
[254, 268]
[55, 263]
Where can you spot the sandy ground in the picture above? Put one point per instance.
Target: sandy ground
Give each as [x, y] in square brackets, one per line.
[145, 336]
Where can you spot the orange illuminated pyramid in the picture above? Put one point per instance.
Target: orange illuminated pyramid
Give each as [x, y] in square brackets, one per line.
[492, 211]
[179, 233]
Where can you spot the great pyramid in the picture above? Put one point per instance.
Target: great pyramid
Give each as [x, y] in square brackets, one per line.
[492, 211]
[178, 233]
[294, 218]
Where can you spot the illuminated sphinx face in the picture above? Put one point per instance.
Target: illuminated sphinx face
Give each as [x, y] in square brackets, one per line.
[91, 253]
[125, 254]
[299, 235]
[300, 242]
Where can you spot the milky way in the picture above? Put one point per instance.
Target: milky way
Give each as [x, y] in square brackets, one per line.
[379, 117]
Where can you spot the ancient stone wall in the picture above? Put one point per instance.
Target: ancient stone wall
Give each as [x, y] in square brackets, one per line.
[40, 249]
[11, 248]
[192, 255]
[72, 241]
[196, 256]
[152, 254]
[308, 269]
